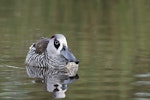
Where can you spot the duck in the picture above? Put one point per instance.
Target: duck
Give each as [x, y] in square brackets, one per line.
[52, 58]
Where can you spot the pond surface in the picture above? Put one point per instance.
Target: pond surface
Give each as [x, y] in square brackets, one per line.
[110, 38]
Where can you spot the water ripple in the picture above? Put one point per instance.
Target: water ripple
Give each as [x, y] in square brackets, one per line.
[142, 75]
[10, 66]
[142, 94]
[139, 83]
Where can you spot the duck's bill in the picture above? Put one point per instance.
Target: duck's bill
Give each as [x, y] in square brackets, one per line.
[68, 55]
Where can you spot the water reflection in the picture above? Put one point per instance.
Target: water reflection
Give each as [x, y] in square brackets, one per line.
[57, 84]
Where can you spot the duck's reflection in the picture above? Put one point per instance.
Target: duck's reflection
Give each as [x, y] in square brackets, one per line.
[58, 84]
[55, 83]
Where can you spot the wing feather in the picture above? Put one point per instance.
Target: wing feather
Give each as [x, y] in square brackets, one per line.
[41, 45]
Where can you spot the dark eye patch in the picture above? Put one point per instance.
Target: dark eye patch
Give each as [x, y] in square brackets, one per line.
[56, 43]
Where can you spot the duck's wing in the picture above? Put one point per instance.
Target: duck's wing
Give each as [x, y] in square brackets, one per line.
[35, 66]
[41, 45]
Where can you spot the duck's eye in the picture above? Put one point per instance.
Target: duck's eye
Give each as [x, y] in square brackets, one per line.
[56, 43]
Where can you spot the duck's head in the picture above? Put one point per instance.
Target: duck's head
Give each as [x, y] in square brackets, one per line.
[58, 46]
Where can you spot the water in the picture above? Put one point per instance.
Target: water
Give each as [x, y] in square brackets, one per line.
[110, 38]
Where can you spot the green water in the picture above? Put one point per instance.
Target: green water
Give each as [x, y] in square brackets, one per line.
[111, 38]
